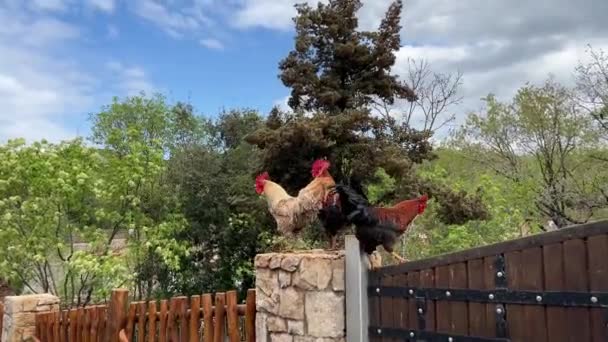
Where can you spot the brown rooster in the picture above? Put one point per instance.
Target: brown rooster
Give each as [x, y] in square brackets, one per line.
[376, 226]
[294, 213]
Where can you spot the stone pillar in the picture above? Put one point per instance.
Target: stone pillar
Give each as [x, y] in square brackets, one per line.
[300, 297]
[20, 315]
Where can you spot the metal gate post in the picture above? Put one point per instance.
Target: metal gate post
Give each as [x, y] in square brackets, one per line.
[357, 314]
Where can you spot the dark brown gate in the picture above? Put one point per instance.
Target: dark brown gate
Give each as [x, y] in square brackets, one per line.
[548, 287]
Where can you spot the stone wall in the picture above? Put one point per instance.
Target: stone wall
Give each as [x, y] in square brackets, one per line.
[300, 297]
[20, 315]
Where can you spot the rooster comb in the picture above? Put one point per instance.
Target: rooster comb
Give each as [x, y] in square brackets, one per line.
[319, 166]
[259, 181]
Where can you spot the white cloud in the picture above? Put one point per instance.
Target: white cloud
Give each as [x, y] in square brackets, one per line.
[49, 5]
[34, 130]
[282, 103]
[175, 20]
[211, 43]
[272, 14]
[497, 45]
[36, 87]
[129, 80]
[266, 13]
[103, 5]
[43, 85]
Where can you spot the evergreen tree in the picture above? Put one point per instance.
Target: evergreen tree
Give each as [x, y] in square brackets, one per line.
[336, 73]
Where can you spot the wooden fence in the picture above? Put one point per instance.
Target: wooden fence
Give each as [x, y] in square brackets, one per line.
[1, 319]
[547, 287]
[186, 319]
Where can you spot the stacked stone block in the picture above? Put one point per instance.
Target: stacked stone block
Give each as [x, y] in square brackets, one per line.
[300, 297]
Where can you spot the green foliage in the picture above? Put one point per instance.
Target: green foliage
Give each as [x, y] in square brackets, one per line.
[61, 206]
[538, 140]
[378, 190]
[228, 222]
[337, 74]
[509, 206]
[334, 67]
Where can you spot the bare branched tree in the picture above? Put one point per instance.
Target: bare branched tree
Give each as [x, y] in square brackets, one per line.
[436, 94]
[592, 86]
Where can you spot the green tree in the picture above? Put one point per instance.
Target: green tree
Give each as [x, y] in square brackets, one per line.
[542, 135]
[229, 225]
[336, 75]
[61, 208]
[141, 132]
[334, 67]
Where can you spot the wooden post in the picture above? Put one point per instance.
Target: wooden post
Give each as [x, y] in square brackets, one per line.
[116, 314]
[250, 316]
[232, 316]
[220, 317]
[357, 319]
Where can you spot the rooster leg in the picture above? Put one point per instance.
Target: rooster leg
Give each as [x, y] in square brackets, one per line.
[398, 257]
[371, 262]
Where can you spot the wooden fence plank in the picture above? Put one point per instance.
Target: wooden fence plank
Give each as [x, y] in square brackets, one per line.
[130, 327]
[195, 314]
[459, 310]
[536, 240]
[86, 332]
[2, 319]
[208, 327]
[220, 317]
[232, 316]
[427, 279]
[553, 260]
[103, 321]
[374, 307]
[477, 311]
[401, 305]
[152, 321]
[517, 326]
[163, 333]
[56, 317]
[172, 326]
[387, 306]
[597, 250]
[489, 282]
[413, 280]
[534, 317]
[183, 319]
[65, 325]
[444, 314]
[141, 321]
[73, 325]
[250, 313]
[94, 321]
[575, 271]
[80, 333]
[116, 314]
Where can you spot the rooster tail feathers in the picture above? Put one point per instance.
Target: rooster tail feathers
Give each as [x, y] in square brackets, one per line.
[349, 195]
[385, 234]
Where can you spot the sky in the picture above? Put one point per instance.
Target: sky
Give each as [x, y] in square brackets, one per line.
[62, 60]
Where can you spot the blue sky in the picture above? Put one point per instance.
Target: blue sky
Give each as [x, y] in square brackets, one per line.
[63, 59]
